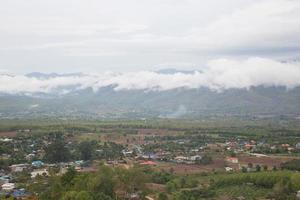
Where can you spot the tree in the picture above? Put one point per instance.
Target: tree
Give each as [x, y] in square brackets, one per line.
[282, 189]
[171, 186]
[73, 195]
[131, 180]
[295, 181]
[250, 165]
[258, 168]
[70, 195]
[57, 152]
[4, 164]
[86, 149]
[101, 196]
[206, 160]
[292, 165]
[83, 195]
[244, 169]
[182, 182]
[162, 196]
[103, 182]
[67, 178]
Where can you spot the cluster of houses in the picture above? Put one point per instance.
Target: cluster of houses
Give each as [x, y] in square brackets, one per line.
[7, 187]
[35, 169]
[136, 153]
[261, 146]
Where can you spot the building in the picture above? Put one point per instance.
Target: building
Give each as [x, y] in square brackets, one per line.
[127, 153]
[8, 186]
[249, 146]
[228, 169]
[195, 158]
[232, 160]
[285, 146]
[180, 159]
[40, 172]
[18, 167]
[6, 140]
[37, 163]
[19, 194]
[4, 179]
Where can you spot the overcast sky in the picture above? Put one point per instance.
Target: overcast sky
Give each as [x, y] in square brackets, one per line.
[133, 35]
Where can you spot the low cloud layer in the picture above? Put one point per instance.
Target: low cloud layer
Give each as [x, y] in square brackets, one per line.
[219, 75]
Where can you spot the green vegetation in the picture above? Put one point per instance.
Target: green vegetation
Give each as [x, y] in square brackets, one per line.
[292, 165]
[93, 153]
[108, 183]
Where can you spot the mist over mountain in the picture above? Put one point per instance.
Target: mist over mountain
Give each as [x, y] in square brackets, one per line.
[251, 87]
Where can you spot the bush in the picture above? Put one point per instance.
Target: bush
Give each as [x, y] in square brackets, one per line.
[262, 179]
[292, 165]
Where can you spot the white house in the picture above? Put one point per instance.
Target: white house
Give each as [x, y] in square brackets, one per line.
[232, 160]
[228, 169]
[41, 172]
[8, 186]
[196, 157]
[18, 167]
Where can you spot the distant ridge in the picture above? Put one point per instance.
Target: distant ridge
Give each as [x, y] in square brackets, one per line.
[176, 103]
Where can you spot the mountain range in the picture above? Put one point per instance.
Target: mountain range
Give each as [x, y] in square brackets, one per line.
[106, 102]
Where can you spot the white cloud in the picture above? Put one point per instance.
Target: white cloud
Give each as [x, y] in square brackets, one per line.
[219, 75]
[126, 34]
[268, 25]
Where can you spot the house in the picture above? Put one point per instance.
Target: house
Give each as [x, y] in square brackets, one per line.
[127, 152]
[37, 163]
[8, 186]
[194, 150]
[232, 160]
[20, 193]
[6, 140]
[196, 157]
[187, 159]
[149, 156]
[40, 172]
[259, 155]
[249, 146]
[78, 168]
[298, 194]
[285, 145]
[18, 167]
[290, 149]
[4, 179]
[298, 146]
[180, 159]
[228, 169]
[79, 162]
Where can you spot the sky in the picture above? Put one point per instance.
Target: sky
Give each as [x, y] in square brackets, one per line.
[96, 36]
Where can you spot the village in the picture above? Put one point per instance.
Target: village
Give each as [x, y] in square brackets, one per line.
[26, 156]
